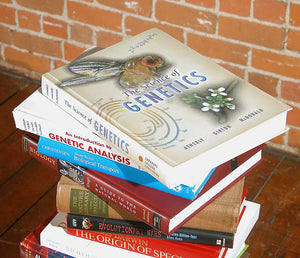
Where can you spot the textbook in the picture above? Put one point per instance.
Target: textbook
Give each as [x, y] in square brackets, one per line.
[85, 159]
[49, 121]
[72, 197]
[54, 236]
[136, 228]
[160, 210]
[172, 111]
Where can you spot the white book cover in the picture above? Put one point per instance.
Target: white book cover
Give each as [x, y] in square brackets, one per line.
[165, 106]
[54, 236]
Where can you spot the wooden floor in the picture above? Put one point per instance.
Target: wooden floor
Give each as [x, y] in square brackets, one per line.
[27, 188]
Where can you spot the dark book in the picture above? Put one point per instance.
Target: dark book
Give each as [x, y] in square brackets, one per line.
[141, 229]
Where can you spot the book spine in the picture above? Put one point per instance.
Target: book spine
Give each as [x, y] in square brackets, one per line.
[93, 181]
[149, 247]
[30, 249]
[109, 133]
[79, 139]
[79, 200]
[80, 157]
[137, 228]
[73, 198]
[30, 246]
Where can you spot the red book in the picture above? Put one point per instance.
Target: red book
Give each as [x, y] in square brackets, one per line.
[163, 211]
[30, 246]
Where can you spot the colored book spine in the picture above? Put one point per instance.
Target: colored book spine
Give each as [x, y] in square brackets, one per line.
[30, 246]
[85, 159]
[74, 198]
[140, 229]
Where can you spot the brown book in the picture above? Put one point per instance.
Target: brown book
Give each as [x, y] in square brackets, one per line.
[220, 215]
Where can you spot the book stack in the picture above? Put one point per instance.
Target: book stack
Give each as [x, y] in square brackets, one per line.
[153, 142]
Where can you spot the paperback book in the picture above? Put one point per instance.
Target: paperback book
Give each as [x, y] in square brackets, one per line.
[169, 109]
[49, 121]
[160, 210]
[72, 197]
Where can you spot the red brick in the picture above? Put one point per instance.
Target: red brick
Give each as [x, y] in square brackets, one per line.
[290, 91]
[95, 16]
[276, 63]
[8, 15]
[251, 32]
[293, 40]
[37, 44]
[270, 10]
[48, 6]
[81, 33]
[140, 7]
[186, 16]
[29, 20]
[5, 35]
[264, 82]
[135, 26]
[238, 7]
[72, 51]
[106, 39]
[204, 3]
[27, 60]
[217, 48]
[6, 1]
[237, 71]
[55, 27]
[59, 63]
[295, 14]
[293, 117]
[294, 138]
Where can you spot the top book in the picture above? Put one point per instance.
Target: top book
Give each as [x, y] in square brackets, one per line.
[175, 113]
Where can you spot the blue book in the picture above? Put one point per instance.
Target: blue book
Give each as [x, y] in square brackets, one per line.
[86, 159]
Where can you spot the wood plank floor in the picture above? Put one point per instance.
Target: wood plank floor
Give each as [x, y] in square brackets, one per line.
[27, 187]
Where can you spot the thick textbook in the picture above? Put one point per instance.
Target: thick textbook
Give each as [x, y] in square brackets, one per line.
[158, 209]
[169, 109]
[91, 245]
[49, 121]
[72, 197]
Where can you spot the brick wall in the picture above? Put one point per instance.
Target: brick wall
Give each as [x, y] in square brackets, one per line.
[259, 40]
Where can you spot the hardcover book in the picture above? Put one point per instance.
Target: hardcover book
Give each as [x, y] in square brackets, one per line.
[141, 229]
[80, 157]
[49, 121]
[30, 246]
[72, 197]
[171, 110]
[94, 243]
[163, 211]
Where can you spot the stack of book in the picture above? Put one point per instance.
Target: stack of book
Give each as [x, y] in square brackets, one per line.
[153, 142]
